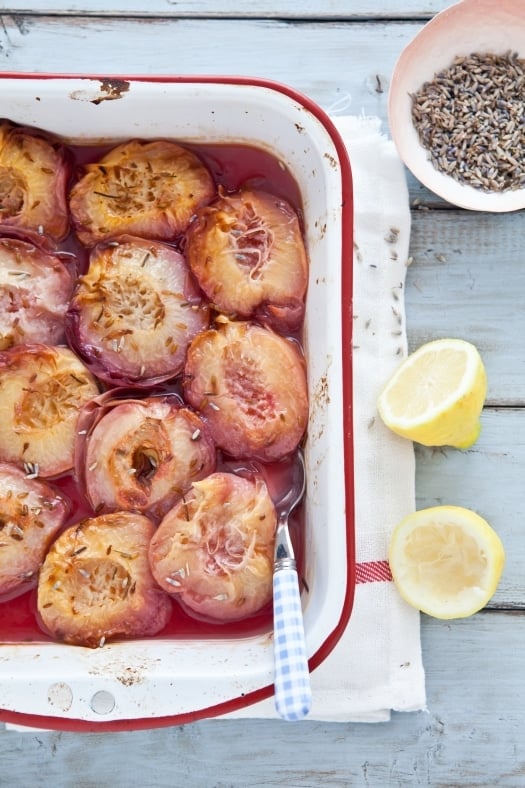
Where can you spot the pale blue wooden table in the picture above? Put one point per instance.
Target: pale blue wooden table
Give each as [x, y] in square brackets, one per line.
[467, 279]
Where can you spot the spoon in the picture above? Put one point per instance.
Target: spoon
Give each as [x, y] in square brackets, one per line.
[293, 694]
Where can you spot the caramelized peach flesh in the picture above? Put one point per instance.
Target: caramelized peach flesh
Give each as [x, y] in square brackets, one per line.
[34, 172]
[42, 390]
[247, 253]
[35, 288]
[149, 189]
[249, 384]
[31, 514]
[95, 583]
[135, 311]
[214, 550]
[143, 455]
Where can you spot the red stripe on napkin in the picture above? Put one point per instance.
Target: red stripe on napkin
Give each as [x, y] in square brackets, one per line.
[372, 572]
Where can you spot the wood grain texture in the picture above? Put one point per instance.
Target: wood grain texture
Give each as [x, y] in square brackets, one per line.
[489, 479]
[286, 9]
[341, 65]
[471, 735]
[466, 276]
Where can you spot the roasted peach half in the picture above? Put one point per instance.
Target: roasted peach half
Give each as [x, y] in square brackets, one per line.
[42, 390]
[96, 584]
[35, 288]
[141, 454]
[34, 171]
[214, 550]
[31, 514]
[149, 189]
[135, 311]
[247, 253]
[249, 384]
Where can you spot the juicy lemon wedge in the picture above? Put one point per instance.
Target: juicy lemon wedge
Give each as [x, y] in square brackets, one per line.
[436, 395]
[446, 561]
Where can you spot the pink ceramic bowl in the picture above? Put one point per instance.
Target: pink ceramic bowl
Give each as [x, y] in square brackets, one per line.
[482, 26]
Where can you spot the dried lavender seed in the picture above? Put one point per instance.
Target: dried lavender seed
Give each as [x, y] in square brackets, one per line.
[392, 236]
[31, 469]
[471, 119]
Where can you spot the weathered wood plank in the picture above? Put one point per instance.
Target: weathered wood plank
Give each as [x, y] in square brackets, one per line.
[466, 281]
[285, 9]
[489, 479]
[349, 63]
[472, 734]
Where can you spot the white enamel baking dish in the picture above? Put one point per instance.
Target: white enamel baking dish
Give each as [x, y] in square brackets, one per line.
[155, 682]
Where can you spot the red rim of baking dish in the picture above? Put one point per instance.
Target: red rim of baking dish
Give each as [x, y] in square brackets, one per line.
[233, 704]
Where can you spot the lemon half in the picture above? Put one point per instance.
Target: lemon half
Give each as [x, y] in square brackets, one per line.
[436, 395]
[446, 561]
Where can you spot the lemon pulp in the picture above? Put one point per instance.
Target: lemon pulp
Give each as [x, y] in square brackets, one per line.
[437, 394]
[446, 561]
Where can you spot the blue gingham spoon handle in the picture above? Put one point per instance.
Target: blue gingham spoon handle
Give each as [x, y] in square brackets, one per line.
[293, 695]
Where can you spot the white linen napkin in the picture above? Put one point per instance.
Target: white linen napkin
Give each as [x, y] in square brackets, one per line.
[377, 664]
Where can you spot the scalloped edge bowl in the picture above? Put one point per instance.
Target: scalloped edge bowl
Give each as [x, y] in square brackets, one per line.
[495, 26]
